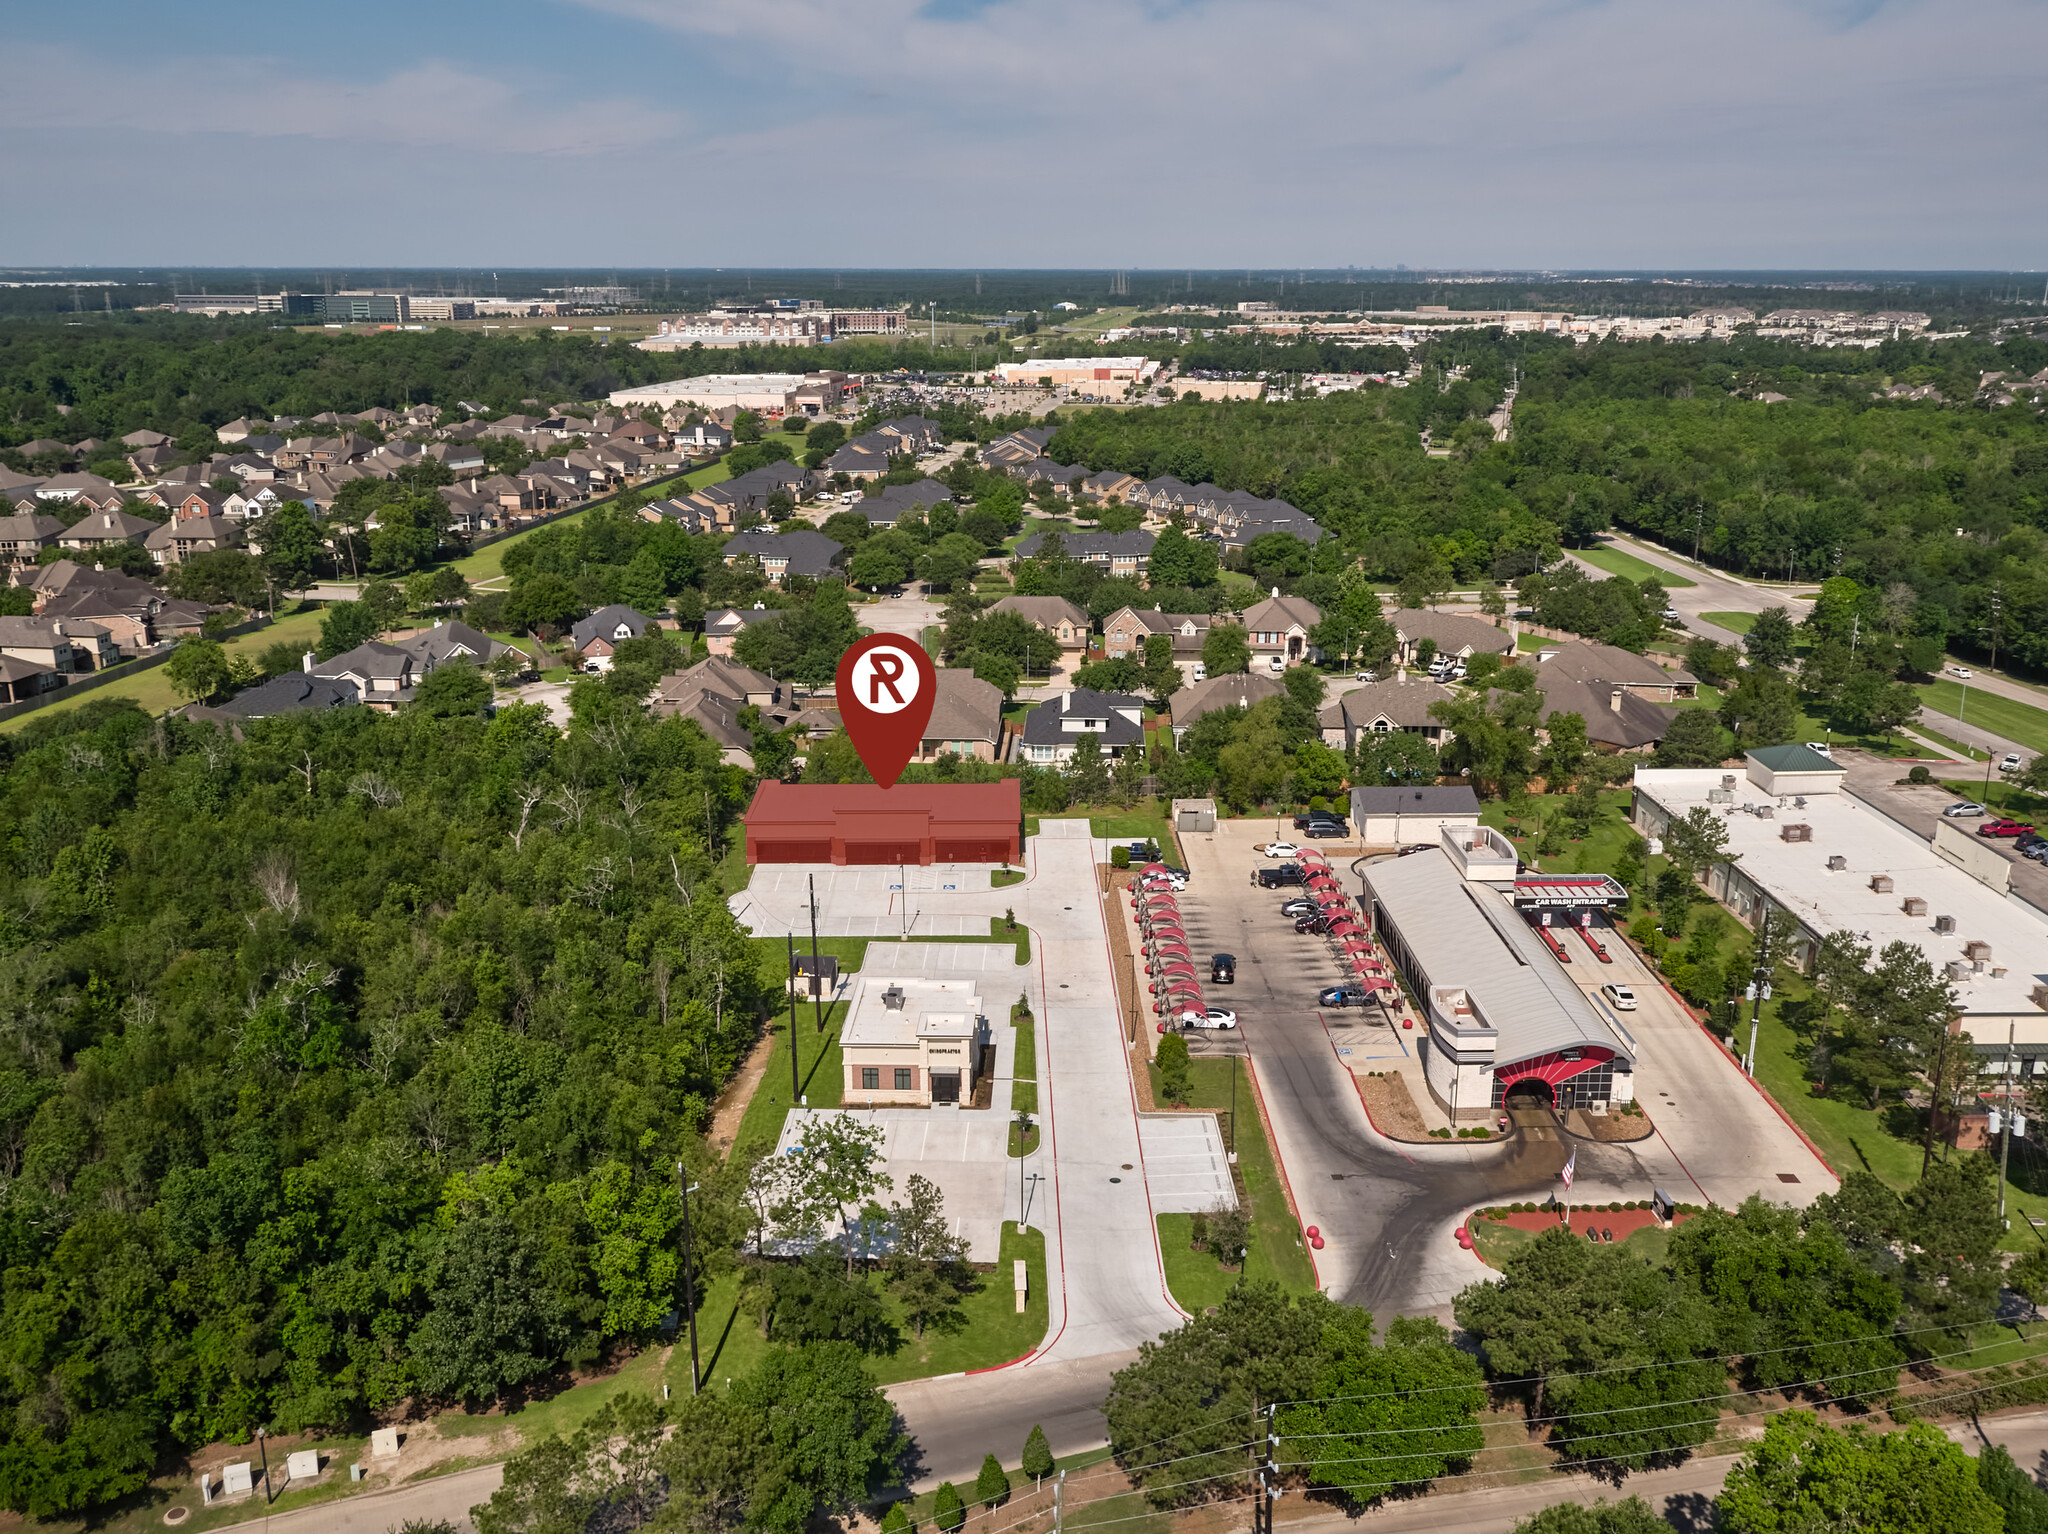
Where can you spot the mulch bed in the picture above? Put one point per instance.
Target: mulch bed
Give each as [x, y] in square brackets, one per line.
[1393, 1111]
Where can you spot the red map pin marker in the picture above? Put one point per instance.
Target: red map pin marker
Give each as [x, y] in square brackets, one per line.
[887, 685]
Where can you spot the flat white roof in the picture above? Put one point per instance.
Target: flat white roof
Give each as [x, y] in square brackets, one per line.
[1797, 876]
[931, 1009]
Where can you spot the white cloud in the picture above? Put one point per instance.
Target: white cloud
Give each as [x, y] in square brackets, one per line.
[429, 106]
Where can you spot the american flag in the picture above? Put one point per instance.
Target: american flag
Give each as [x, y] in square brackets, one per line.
[1571, 1166]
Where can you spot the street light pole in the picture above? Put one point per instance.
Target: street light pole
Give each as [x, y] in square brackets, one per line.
[795, 1086]
[817, 978]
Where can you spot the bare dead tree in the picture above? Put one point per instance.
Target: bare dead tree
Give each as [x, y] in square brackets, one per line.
[82, 756]
[676, 872]
[276, 883]
[305, 770]
[376, 788]
[662, 976]
[571, 803]
[528, 795]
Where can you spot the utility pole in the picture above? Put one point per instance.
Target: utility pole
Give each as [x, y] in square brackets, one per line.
[1992, 628]
[817, 977]
[689, 1275]
[1759, 990]
[1267, 1477]
[795, 1087]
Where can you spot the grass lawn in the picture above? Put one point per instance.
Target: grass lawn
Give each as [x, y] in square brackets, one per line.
[2014, 720]
[985, 1331]
[1003, 878]
[1495, 1242]
[2003, 797]
[153, 692]
[1024, 1090]
[1276, 1249]
[1737, 623]
[1615, 562]
[1195, 1279]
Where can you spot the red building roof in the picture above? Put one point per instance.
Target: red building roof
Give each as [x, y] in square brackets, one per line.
[862, 823]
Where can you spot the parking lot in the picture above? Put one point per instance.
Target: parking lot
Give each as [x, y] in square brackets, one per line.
[1875, 780]
[1388, 1208]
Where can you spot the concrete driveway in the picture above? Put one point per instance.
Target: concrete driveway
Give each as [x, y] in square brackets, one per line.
[964, 1151]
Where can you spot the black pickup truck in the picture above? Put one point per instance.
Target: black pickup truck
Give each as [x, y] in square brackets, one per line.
[1279, 877]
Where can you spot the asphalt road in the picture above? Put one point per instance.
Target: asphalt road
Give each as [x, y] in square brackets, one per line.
[1713, 592]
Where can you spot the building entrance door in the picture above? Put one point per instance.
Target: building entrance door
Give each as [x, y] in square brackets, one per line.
[945, 1087]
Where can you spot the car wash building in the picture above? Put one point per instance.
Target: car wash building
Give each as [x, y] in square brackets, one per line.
[862, 823]
[1503, 1018]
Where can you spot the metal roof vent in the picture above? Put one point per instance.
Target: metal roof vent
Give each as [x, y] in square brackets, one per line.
[892, 999]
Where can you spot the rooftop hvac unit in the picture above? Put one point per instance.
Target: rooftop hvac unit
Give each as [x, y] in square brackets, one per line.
[1881, 884]
[1837, 863]
[2039, 997]
[1958, 969]
[1766, 812]
[1720, 796]
[1913, 905]
[1796, 831]
[1945, 924]
[1977, 951]
[1727, 780]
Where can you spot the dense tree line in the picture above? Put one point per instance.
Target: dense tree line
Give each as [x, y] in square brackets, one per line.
[341, 1064]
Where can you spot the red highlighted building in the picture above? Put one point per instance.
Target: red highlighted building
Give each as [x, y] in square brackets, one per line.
[859, 823]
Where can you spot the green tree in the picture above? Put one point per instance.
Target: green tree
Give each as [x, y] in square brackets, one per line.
[1037, 1454]
[197, 669]
[1770, 639]
[1179, 1417]
[1631, 1515]
[345, 625]
[291, 546]
[1565, 750]
[1804, 1474]
[1385, 1416]
[1172, 1061]
[1761, 710]
[1225, 650]
[948, 1510]
[992, 1486]
[827, 1431]
[493, 1323]
[2024, 1504]
[1162, 677]
[453, 690]
[1397, 756]
[1692, 739]
[1696, 841]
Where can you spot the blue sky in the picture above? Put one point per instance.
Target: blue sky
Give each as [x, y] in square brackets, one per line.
[1091, 133]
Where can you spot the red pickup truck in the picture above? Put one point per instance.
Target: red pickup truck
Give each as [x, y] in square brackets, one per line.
[2005, 828]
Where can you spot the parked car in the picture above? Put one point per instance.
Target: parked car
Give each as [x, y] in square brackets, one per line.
[1209, 1017]
[1315, 923]
[1300, 905]
[2005, 828]
[1223, 969]
[1366, 676]
[2038, 852]
[1279, 878]
[1280, 850]
[1962, 809]
[1619, 997]
[1318, 818]
[1821, 748]
[1669, 615]
[1342, 996]
[2010, 762]
[1324, 828]
[1961, 671]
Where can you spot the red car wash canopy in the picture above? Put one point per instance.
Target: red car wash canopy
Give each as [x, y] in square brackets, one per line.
[910, 823]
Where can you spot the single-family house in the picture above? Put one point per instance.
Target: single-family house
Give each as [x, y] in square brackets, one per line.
[1606, 665]
[383, 675]
[1455, 634]
[66, 646]
[967, 718]
[24, 536]
[596, 637]
[725, 625]
[1383, 708]
[1237, 690]
[103, 528]
[1055, 727]
[1067, 623]
[1277, 630]
[1125, 631]
[800, 551]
